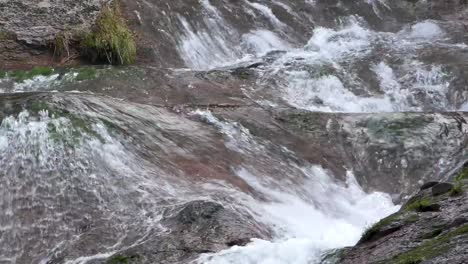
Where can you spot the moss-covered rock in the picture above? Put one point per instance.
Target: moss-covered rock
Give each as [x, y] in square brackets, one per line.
[423, 205]
[428, 250]
[20, 75]
[122, 259]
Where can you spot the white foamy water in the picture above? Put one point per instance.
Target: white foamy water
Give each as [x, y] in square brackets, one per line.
[330, 75]
[333, 215]
[308, 218]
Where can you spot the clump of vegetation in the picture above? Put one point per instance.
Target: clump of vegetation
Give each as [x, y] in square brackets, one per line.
[375, 229]
[432, 234]
[86, 73]
[111, 40]
[463, 175]
[423, 205]
[2, 74]
[61, 44]
[20, 75]
[457, 189]
[120, 259]
[429, 249]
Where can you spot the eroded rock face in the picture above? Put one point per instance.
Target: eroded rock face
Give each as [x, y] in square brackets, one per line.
[27, 27]
[36, 22]
[137, 155]
[430, 228]
[195, 228]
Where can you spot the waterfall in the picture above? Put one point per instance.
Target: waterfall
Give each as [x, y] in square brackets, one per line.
[287, 114]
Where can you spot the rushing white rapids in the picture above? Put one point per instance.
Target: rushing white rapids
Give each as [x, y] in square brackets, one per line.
[336, 218]
[309, 219]
[332, 72]
[68, 174]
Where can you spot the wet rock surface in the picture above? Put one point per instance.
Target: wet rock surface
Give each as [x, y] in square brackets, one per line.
[151, 164]
[197, 227]
[175, 141]
[428, 229]
[27, 28]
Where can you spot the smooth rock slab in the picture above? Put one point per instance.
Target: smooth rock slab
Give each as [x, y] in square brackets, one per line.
[441, 188]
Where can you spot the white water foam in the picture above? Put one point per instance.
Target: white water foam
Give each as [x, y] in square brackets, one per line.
[333, 216]
[322, 76]
[260, 42]
[308, 218]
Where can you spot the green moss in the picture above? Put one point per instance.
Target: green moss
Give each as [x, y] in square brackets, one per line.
[111, 40]
[86, 73]
[377, 227]
[429, 249]
[463, 175]
[121, 259]
[396, 128]
[457, 189]
[422, 205]
[2, 74]
[79, 125]
[432, 234]
[20, 76]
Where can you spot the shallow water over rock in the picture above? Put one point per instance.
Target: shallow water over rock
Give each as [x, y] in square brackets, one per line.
[248, 132]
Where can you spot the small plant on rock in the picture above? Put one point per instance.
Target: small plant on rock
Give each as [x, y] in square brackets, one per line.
[111, 40]
[423, 205]
[457, 189]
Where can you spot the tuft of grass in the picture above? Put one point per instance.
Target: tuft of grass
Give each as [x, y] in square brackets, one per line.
[457, 189]
[61, 44]
[463, 175]
[111, 40]
[423, 205]
[20, 76]
[2, 74]
[370, 232]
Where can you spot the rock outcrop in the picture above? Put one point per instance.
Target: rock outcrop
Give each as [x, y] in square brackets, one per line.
[28, 28]
[432, 227]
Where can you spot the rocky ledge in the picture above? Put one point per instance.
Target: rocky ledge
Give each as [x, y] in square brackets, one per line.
[432, 227]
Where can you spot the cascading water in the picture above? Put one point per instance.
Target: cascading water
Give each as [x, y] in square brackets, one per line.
[85, 176]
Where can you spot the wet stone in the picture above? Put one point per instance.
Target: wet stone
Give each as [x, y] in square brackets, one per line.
[441, 188]
[428, 185]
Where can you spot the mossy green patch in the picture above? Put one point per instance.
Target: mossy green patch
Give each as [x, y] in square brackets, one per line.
[395, 128]
[86, 73]
[111, 40]
[457, 189]
[2, 74]
[79, 125]
[432, 234]
[121, 259]
[377, 227]
[463, 175]
[422, 205]
[429, 249]
[20, 75]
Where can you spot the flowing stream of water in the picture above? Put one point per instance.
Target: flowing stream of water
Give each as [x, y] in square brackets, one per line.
[116, 171]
